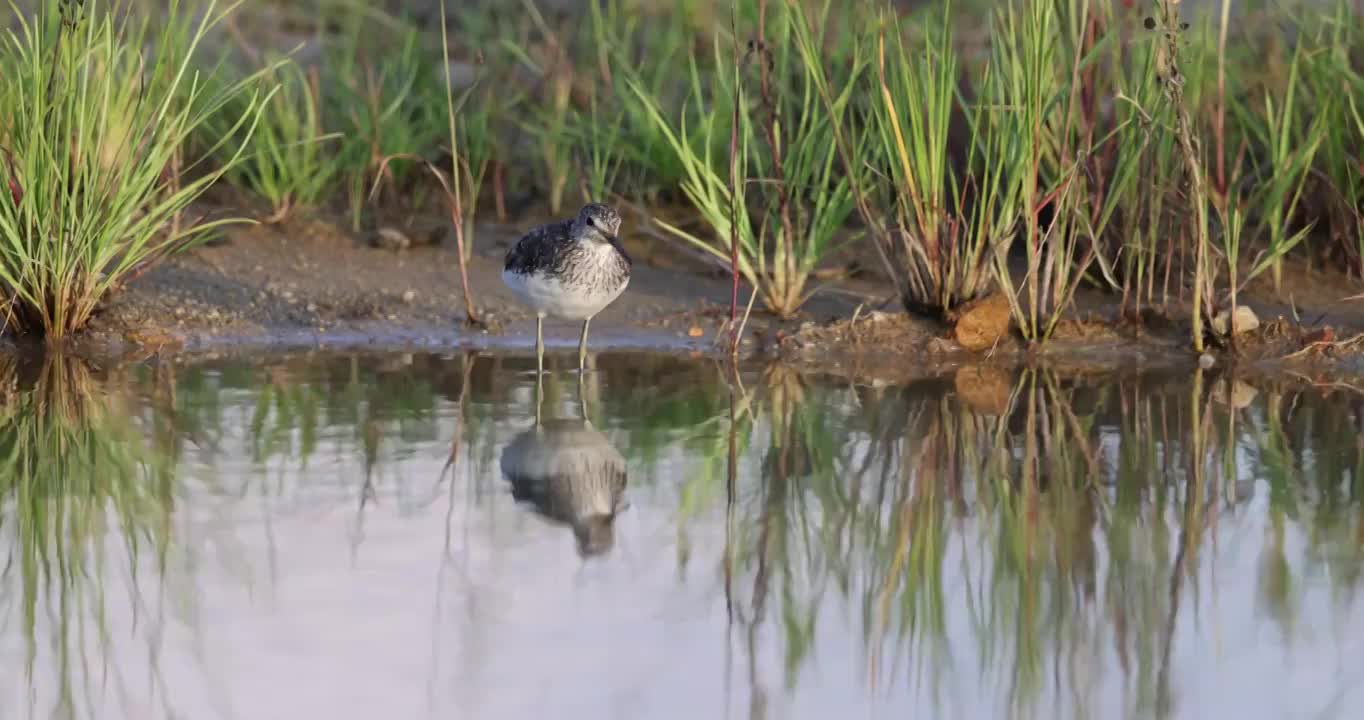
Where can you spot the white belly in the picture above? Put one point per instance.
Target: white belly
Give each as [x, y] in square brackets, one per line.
[549, 296]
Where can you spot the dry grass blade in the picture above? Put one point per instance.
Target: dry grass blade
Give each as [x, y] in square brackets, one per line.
[454, 205]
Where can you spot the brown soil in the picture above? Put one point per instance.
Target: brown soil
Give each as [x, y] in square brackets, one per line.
[310, 282]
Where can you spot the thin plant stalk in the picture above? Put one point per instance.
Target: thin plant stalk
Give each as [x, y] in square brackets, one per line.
[455, 199]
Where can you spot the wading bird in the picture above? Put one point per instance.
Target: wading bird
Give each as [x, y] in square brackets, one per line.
[570, 269]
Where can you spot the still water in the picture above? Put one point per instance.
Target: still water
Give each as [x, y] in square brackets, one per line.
[396, 536]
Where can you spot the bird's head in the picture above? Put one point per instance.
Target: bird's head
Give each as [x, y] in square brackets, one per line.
[595, 535]
[597, 222]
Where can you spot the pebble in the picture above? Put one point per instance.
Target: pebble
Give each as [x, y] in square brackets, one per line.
[410, 296]
[1206, 361]
[1242, 320]
[392, 238]
[312, 307]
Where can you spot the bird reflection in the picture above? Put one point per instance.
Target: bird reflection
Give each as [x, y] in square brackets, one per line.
[571, 474]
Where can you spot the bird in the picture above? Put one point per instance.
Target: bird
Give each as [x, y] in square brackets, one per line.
[571, 474]
[571, 269]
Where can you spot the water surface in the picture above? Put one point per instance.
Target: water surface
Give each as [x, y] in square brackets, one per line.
[395, 536]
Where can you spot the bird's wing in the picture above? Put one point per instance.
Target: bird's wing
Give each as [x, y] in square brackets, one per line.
[537, 248]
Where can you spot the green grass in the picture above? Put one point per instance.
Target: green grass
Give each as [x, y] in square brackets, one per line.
[291, 160]
[792, 200]
[1167, 164]
[91, 129]
[385, 101]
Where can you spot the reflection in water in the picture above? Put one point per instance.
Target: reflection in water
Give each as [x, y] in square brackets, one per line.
[177, 542]
[571, 474]
[78, 485]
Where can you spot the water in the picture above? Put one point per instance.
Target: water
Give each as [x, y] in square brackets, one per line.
[292, 540]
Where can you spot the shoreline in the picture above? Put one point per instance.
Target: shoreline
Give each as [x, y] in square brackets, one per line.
[313, 285]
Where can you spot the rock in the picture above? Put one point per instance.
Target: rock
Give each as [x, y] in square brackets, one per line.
[981, 324]
[1206, 361]
[1242, 321]
[462, 74]
[410, 296]
[391, 238]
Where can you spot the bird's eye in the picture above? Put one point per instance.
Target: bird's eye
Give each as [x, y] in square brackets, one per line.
[592, 222]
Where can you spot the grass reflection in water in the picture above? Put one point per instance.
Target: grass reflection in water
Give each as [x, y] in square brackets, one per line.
[1017, 543]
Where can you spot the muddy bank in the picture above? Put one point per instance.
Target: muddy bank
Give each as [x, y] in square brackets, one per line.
[311, 282]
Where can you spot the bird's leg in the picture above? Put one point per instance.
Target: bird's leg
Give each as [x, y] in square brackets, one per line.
[539, 396]
[539, 344]
[582, 397]
[582, 347]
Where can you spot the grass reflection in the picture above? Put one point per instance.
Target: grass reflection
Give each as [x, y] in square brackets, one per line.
[1015, 543]
[1066, 522]
[77, 481]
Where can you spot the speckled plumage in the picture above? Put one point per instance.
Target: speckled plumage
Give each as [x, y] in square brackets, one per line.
[570, 269]
[571, 474]
[584, 263]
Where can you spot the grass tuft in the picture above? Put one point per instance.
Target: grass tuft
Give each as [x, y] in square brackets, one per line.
[91, 127]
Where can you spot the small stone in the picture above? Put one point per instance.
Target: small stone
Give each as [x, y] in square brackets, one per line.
[1241, 321]
[391, 238]
[312, 307]
[410, 296]
[1206, 361]
[983, 323]
[462, 74]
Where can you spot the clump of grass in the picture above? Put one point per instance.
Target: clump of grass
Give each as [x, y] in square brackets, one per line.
[1036, 91]
[476, 146]
[631, 47]
[1334, 83]
[291, 161]
[796, 199]
[939, 251]
[1168, 69]
[90, 126]
[1290, 141]
[551, 127]
[601, 148]
[386, 101]
[1133, 167]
